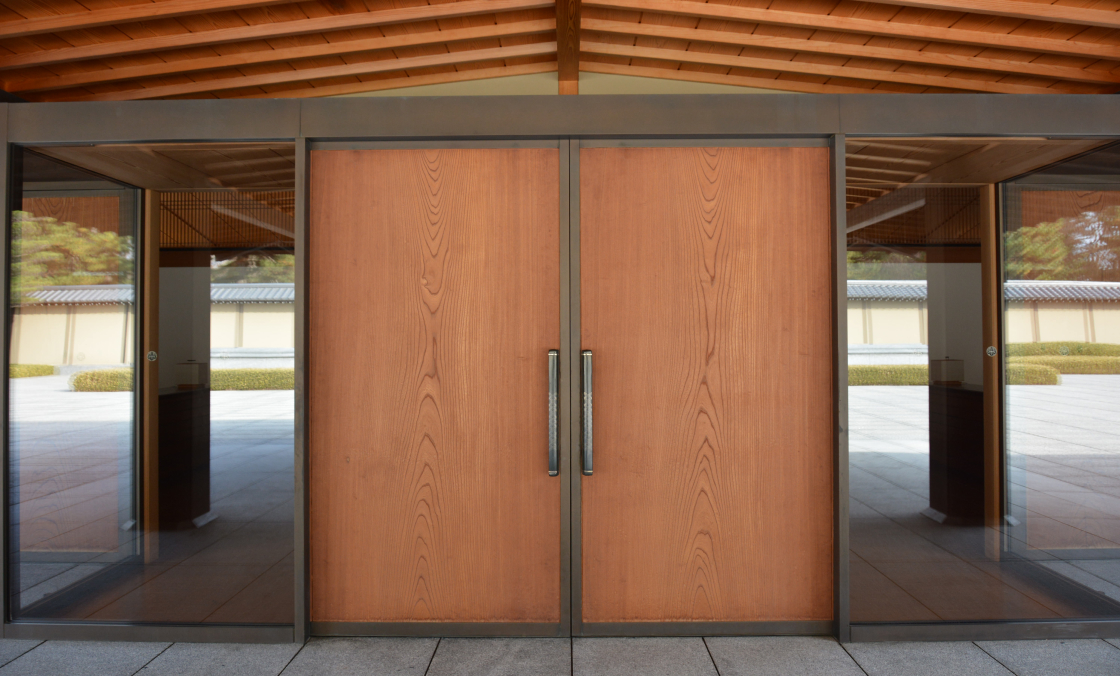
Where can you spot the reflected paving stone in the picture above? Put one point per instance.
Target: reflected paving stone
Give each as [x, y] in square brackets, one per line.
[925, 659]
[84, 658]
[363, 657]
[1085, 657]
[220, 659]
[502, 657]
[641, 657]
[1113, 641]
[11, 648]
[781, 655]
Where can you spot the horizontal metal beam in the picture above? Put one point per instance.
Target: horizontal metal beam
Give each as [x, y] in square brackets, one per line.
[985, 631]
[919, 115]
[109, 631]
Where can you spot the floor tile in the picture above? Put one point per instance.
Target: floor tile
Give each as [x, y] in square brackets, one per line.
[1114, 641]
[84, 658]
[11, 648]
[924, 659]
[1087, 657]
[781, 655]
[502, 657]
[363, 657]
[641, 657]
[221, 659]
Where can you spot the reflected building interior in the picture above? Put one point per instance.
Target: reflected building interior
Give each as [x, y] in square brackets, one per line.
[165, 493]
[946, 526]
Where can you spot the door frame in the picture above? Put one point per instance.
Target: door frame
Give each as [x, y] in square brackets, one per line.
[506, 629]
[573, 378]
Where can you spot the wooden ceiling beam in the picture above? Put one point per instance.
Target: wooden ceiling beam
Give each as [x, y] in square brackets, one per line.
[717, 78]
[284, 54]
[264, 31]
[848, 49]
[148, 11]
[567, 45]
[781, 65]
[1032, 11]
[307, 74]
[410, 81]
[844, 24]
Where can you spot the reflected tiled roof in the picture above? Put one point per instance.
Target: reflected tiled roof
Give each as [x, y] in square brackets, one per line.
[1023, 291]
[115, 294]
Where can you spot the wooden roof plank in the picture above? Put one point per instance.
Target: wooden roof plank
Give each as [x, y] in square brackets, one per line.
[1019, 10]
[712, 78]
[852, 50]
[275, 55]
[847, 24]
[308, 74]
[268, 30]
[410, 81]
[125, 14]
[812, 69]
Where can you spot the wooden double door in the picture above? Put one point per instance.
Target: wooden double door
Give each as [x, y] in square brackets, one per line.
[698, 278]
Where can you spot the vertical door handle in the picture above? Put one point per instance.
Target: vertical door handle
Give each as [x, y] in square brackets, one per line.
[587, 436]
[553, 412]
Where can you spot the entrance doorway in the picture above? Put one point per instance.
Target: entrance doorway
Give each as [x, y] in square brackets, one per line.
[697, 283]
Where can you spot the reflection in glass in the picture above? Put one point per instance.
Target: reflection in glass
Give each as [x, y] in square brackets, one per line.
[1062, 323]
[193, 521]
[946, 524]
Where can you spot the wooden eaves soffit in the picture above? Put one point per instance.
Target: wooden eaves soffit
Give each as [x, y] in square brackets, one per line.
[83, 50]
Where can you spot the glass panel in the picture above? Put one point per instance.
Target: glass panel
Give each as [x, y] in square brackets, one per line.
[949, 522]
[73, 505]
[1061, 244]
[193, 522]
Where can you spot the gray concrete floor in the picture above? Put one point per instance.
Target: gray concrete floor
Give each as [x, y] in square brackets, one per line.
[795, 656]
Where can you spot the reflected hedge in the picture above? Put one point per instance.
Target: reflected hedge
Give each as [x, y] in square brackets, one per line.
[1079, 365]
[29, 370]
[253, 379]
[102, 380]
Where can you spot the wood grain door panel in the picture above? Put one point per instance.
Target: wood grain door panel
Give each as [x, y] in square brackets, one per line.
[434, 302]
[706, 299]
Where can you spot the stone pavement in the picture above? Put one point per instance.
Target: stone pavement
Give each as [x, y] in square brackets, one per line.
[795, 656]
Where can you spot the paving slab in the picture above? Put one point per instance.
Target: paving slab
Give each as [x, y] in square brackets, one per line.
[363, 657]
[925, 659]
[502, 657]
[781, 656]
[1114, 641]
[641, 657]
[220, 659]
[11, 648]
[1084, 657]
[84, 658]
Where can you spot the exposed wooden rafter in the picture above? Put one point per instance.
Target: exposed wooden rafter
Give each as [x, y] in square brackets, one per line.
[746, 39]
[283, 54]
[899, 29]
[129, 13]
[848, 72]
[261, 31]
[325, 72]
[1019, 10]
[567, 45]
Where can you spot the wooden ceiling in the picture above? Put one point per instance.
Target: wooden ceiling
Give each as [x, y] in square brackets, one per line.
[80, 50]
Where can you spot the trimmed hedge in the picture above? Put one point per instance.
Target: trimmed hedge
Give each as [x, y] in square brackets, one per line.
[1055, 349]
[29, 370]
[894, 374]
[1085, 365]
[102, 380]
[253, 379]
[1032, 374]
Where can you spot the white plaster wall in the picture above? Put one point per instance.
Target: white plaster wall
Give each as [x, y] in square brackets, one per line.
[1106, 322]
[956, 316]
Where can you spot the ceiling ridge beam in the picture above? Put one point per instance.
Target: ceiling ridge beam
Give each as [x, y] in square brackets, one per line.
[567, 45]
[718, 78]
[270, 30]
[847, 49]
[284, 54]
[807, 68]
[411, 81]
[844, 24]
[1032, 11]
[346, 70]
[126, 14]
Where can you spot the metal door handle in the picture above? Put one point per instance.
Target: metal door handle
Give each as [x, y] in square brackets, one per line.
[587, 448]
[553, 412]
